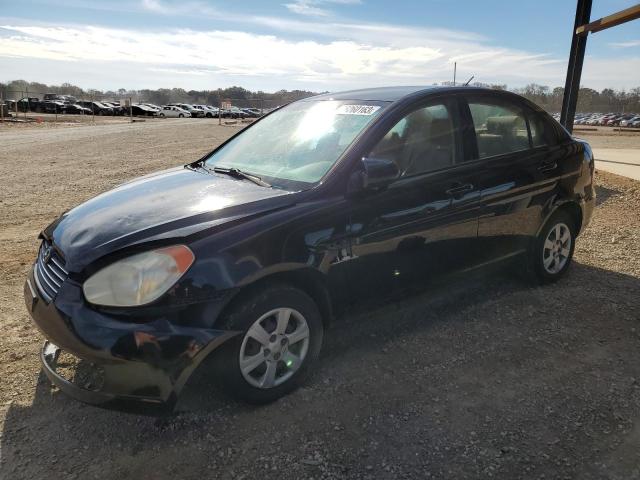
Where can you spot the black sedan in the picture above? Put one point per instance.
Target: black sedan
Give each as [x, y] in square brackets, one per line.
[252, 250]
[97, 108]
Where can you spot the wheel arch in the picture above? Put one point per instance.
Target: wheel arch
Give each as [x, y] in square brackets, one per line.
[310, 281]
[573, 208]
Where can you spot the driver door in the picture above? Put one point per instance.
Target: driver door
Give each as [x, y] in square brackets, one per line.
[425, 222]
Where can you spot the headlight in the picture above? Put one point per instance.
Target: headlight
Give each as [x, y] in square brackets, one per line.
[139, 279]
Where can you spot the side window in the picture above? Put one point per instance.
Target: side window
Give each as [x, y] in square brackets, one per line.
[542, 130]
[422, 141]
[499, 129]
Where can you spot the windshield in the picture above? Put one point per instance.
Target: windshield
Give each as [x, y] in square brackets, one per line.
[299, 142]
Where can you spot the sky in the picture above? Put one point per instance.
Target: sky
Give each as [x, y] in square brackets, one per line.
[318, 45]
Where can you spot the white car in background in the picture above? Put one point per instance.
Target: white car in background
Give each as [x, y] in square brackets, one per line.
[630, 121]
[171, 111]
[209, 112]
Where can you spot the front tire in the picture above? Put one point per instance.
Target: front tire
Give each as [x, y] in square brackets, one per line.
[281, 339]
[180, 115]
[550, 254]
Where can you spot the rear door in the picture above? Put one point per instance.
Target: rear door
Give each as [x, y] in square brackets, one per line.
[517, 179]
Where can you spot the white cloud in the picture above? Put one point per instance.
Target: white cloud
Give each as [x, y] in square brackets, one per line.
[189, 8]
[314, 7]
[342, 55]
[632, 43]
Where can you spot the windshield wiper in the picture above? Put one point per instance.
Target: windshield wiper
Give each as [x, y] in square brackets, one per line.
[234, 172]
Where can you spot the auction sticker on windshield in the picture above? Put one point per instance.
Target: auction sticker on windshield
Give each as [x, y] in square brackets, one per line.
[357, 109]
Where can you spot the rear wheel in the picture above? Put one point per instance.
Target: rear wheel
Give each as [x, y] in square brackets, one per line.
[551, 253]
[162, 115]
[281, 338]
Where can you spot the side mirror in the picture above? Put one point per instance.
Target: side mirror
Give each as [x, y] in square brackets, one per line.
[374, 174]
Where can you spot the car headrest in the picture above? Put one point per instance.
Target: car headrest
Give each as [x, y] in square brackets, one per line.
[502, 125]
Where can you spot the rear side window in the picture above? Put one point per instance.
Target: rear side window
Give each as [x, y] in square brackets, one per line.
[499, 128]
[544, 130]
[539, 133]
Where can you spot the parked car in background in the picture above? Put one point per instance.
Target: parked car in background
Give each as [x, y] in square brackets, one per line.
[142, 110]
[233, 112]
[117, 108]
[76, 108]
[26, 104]
[628, 121]
[172, 111]
[209, 112]
[97, 108]
[250, 250]
[195, 112]
[153, 107]
[52, 106]
[251, 112]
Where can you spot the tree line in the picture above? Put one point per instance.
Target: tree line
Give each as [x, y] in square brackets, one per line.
[589, 100]
[239, 96]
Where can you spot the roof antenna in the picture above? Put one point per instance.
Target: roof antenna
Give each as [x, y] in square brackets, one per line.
[472, 76]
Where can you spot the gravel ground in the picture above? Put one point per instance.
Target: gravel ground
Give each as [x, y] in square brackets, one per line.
[473, 378]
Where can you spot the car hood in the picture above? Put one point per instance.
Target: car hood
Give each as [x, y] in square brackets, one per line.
[170, 204]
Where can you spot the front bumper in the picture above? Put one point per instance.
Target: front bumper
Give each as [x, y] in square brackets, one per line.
[146, 364]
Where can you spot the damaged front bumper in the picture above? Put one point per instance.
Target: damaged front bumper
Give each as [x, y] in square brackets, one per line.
[127, 364]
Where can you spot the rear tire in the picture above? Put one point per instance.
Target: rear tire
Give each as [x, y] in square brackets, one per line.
[162, 115]
[551, 253]
[281, 339]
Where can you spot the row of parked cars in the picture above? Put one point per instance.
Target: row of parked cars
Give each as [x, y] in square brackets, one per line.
[606, 119]
[68, 104]
[188, 110]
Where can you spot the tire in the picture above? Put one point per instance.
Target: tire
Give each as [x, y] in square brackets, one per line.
[549, 257]
[263, 307]
[180, 115]
[162, 115]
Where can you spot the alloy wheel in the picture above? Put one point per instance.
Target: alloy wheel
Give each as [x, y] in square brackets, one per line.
[274, 348]
[557, 248]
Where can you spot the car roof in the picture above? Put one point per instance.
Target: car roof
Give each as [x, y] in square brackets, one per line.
[394, 94]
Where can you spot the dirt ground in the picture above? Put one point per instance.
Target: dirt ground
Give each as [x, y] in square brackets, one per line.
[606, 137]
[473, 378]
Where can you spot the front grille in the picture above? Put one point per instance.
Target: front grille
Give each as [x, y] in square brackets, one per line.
[49, 271]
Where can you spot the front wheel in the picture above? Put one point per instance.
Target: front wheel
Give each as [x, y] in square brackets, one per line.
[551, 253]
[281, 338]
[180, 115]
[162, 115]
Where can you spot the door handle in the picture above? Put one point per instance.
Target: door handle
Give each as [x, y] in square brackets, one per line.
[457, 190]
[547, 167]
